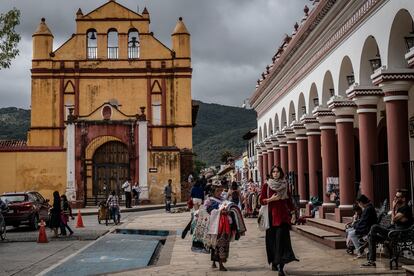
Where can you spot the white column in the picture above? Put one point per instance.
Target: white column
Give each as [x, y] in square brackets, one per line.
[70, 159]
[143, 158]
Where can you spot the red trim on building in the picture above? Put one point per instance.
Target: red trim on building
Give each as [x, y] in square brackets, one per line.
[61, 111]
[164, 112]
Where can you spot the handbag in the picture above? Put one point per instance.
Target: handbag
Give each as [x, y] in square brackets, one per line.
[263, 217]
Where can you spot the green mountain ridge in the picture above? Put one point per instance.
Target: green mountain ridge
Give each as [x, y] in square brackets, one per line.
[14, 123]
[218, 128]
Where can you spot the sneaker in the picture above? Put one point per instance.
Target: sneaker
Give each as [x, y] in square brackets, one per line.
[369, 264]
[350, 251]
[359, 256]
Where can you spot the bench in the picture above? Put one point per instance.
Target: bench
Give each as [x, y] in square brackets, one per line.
[400, 241]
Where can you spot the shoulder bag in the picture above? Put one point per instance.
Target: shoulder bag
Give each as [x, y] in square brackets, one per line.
[263, 218]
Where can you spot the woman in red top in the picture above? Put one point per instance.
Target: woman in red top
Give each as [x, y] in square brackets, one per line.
[281, 214]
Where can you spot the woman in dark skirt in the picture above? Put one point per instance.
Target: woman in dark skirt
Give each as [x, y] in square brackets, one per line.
[281, 213]
[220, 250]
[55, 213]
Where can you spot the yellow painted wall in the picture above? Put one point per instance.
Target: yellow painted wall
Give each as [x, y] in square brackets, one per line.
[103, 80]
[130, 94]
[39, 171]
[168, 164]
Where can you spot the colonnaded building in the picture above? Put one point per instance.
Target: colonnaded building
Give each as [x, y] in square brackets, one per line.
[336, 105]
[110, 103]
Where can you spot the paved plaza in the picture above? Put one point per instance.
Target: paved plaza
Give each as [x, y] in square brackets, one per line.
[247, 256]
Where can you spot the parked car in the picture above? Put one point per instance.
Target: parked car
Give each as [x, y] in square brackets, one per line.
[25, 208]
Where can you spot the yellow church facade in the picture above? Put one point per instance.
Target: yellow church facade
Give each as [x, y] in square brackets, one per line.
[111, 103]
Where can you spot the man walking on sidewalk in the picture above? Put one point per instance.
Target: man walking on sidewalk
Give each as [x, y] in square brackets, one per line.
[127, 190]
[168, 195]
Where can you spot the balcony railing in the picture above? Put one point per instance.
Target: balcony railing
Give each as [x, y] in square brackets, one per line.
[112, 52]
[133, 52]
[92, 52]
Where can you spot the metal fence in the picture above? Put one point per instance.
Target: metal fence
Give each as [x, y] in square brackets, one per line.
[133, 52]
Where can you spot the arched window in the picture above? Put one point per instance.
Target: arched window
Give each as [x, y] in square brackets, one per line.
[133, 44]
[112, 44]
[156, 109]
[92, 46]
[156, 103]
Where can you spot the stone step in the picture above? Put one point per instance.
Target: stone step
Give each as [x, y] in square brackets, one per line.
[346, 219]
[328, 225]
[330, 216]
[336, 242]
[327, 238]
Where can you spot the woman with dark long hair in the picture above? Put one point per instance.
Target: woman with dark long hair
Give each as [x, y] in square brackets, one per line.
[66, 213]
[281, 213]
[55, 213]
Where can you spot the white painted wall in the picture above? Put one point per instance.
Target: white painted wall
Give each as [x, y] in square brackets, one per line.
[379, 26]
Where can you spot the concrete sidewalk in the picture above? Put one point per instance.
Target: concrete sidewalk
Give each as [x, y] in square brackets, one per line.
[247, 256]
[93, 210]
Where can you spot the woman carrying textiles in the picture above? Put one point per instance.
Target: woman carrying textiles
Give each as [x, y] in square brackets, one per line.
[281, 214]
[219, 228]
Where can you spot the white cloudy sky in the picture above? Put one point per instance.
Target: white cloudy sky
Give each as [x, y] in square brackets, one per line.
[232, 40]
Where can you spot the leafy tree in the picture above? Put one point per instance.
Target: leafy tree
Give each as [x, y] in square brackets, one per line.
[8, 37]
[225, 156]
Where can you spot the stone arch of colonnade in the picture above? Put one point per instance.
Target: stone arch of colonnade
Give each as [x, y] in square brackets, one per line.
[313, 98]
[283, 121]
[292, 113]
[301, 106]
[383, 49]
[390, 51]
[277, 125]
[270, 127]
[328, 89]
[260, 134]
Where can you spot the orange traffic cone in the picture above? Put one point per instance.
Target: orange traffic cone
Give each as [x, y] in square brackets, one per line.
[42, 233]
[79, 222]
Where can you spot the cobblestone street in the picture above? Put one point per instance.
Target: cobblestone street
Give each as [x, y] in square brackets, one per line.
[247, 256]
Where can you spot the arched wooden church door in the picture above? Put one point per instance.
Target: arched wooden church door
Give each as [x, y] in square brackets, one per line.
[110, 168]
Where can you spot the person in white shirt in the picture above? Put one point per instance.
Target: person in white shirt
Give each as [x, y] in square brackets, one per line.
[190, 179]
[127, 190]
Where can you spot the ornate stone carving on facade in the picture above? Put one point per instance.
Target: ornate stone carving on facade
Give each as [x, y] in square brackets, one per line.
[383, 74]
[343, 108]
[299, 129]
[275, 141]
[268, 144]
[325, 117]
